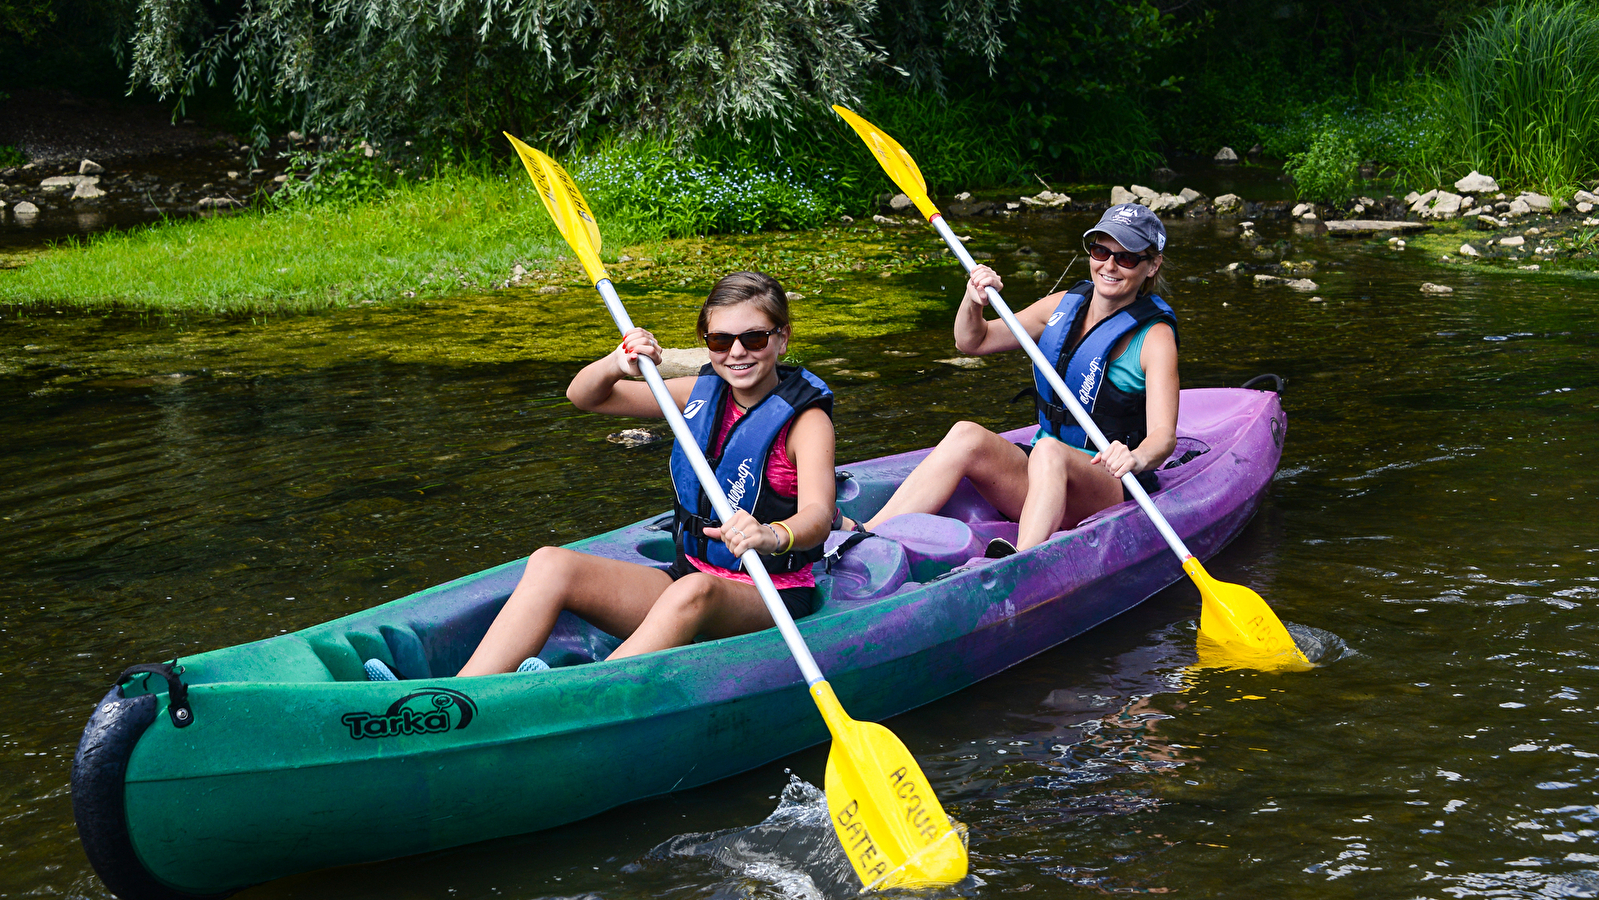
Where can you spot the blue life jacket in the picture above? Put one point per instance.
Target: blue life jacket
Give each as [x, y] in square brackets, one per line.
[740, 466]
[1119, 414]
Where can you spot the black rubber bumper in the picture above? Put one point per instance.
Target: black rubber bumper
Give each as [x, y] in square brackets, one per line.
[98, 796]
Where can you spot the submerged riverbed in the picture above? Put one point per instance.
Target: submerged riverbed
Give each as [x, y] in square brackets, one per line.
[171, 487]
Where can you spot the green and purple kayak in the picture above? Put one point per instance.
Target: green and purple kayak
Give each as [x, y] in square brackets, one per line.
[257, 761]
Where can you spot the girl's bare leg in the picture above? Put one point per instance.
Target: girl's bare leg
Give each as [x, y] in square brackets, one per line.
[995, 466]
[614, 596]
[1063, 489]
[697, 604]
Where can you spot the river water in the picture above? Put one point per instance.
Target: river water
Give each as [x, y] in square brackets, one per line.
[170, 487]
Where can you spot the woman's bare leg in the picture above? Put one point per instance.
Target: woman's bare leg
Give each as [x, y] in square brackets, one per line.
[1064, 488]
[697, 604]
[614, 596]
[995, 466]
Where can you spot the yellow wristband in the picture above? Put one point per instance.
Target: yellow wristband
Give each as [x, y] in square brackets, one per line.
[790, 538]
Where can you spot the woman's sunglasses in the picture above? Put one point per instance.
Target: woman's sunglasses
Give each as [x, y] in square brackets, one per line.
[1123, 258]
[721, 341]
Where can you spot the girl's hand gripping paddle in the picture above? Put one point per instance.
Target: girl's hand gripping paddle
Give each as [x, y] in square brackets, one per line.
[1241, 629]
[892, 827]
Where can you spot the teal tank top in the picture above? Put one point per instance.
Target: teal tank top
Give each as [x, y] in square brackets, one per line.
[1125, 371]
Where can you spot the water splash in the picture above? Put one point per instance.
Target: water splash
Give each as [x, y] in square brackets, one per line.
[793, 854]
[1319, 646]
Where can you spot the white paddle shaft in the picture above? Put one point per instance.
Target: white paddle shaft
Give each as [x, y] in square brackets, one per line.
[713, 489]
[1129, 481]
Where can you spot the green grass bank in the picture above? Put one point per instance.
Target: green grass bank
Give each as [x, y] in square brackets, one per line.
[421, 238]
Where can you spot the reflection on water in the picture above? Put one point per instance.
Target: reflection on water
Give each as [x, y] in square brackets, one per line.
[1433, 510]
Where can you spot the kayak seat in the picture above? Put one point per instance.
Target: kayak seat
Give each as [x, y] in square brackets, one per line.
[576, 642]
[872, 569]
[860, 498]
[968, 506]
[933, 544]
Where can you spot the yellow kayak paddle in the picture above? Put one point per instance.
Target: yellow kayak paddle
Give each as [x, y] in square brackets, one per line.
[1241, 629]
[892, 827]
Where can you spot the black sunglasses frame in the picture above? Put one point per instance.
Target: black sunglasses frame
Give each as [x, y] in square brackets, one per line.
[1124, 258]
[753, 341]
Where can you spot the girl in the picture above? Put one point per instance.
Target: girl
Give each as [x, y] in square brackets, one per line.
[766, 430]
[1113, 339]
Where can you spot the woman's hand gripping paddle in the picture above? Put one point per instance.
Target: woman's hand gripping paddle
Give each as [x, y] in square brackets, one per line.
[891, 825]
[1233, 618]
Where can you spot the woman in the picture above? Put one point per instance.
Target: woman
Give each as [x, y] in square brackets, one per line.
[1123, 363]
[766, 430]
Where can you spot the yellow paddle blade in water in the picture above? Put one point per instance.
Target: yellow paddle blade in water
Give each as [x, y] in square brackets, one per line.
[1240, 629]
[566, 205]
[894, 160]
[892, 827]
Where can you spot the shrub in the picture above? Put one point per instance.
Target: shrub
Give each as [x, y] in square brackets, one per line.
[350, 174]
[1326, 172]
[644, 182]
[11, 156]
[958, 143]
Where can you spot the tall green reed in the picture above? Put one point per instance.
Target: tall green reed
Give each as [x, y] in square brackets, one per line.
[1523, 84]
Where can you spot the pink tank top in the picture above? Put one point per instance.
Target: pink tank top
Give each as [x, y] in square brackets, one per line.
[782, 477]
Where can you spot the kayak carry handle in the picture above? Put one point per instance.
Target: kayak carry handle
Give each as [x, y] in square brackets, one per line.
[177, 692]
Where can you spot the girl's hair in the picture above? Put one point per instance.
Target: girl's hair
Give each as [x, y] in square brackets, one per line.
[758, 288]
[1156, 285]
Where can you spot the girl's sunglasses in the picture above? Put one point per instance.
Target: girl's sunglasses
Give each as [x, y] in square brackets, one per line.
[1123, 258]
[721, 341]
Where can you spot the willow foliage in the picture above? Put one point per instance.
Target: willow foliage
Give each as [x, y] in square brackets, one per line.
[547, 67]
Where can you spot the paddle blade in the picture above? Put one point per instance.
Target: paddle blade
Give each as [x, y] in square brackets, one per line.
[890, 823]
[565, 204]
[1239, 627]
[894, 160]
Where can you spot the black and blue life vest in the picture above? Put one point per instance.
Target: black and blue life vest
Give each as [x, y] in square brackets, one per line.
[1117, 413]
[740, 465]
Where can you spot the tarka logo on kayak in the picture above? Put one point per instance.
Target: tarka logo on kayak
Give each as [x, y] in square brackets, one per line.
[1085, 394]
[737, 489]
[1055, 318]
[911, 803]
[693, 409]
[858, 843]
[429, 711]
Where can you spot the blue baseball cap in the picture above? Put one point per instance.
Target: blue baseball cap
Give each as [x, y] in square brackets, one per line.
[1133, 226]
